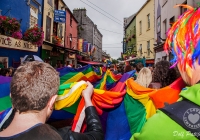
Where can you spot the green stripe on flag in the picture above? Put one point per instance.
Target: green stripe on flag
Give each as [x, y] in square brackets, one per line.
[5, 103]
[136, 113]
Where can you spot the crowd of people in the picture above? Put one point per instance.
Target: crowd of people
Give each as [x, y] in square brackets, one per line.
[8, 72]
[35, 84]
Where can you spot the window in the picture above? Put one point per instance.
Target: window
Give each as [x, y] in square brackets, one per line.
[140, 49]
[50, 3]
[148, 48]
[70, 20]
[182, 9]
[33, 16]
[140, 27]
[70, 41]
[48, 28]
[171, 21]
[60, 31]
[165, 28]
[148, 21]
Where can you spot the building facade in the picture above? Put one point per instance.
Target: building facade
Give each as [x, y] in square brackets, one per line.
[127, 21]
[89, 32]
[54, 50]
[130, 38]
[145, 32]
[71, 37]
[30, 13]
[164, 19]
[97, 41]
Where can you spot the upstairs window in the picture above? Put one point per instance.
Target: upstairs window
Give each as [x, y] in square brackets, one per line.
[148, 48]
[148, 21]
[140, 27]
[33, 16]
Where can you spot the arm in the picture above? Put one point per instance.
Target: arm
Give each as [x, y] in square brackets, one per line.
[94, 128]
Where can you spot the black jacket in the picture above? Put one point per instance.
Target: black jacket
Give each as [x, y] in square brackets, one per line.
[94, 129]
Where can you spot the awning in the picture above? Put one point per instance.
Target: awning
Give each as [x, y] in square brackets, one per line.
[150, 61]
[90, 62]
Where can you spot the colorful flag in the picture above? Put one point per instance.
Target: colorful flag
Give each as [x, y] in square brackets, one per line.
[85, 44]
[80, 45]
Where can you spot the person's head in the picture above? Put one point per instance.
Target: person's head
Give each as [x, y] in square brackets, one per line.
[183, 41]
[127, 68]
[163, 74]
[139, 66]
[133, 67]
[144, 77]
[11, 71]
[5, 72]
[34, 88]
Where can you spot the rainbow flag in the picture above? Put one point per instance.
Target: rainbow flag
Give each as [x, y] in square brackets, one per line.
[138, 105]
[70, 75]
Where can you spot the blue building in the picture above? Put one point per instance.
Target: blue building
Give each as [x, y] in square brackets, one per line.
[28, 13]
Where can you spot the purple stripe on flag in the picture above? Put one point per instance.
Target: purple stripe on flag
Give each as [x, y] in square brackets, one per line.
[4, 79]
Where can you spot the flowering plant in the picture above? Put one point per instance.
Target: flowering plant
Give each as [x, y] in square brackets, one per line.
[17, 35]
[35, 35]
[57, 40]
[8, 25]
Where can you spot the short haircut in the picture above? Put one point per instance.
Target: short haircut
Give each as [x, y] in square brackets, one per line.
[127, 68]
[139, 66]
[32, 85]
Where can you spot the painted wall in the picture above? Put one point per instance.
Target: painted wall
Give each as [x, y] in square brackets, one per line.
[71, 29]
[21, 11]
[147, 34]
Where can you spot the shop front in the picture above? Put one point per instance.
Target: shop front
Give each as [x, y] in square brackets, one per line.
[58, 56]
[13, 50]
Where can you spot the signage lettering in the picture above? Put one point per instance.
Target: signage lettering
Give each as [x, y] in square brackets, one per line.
[12, 43]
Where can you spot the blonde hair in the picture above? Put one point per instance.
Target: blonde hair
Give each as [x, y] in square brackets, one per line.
[144, 77]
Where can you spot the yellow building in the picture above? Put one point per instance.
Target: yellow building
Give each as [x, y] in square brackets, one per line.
[145, 32]
[52, 51]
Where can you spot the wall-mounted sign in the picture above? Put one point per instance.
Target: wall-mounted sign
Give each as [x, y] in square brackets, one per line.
[59, 16]
[12, 43]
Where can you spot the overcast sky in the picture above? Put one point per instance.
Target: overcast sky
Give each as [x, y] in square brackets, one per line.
[118, 9]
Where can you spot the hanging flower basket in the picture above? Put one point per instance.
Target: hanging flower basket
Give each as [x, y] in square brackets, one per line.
[35, 35]
[8, 25]
[57, 40]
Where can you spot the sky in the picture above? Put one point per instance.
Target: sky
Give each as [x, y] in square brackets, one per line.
[110, 17]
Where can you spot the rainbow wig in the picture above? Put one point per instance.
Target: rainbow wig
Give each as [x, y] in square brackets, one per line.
[183, 39]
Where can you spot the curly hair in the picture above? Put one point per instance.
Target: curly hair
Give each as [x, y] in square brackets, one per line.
[163, 74]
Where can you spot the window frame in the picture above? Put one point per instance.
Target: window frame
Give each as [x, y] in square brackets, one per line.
[31, 18]
[148, 21]
[140, 23]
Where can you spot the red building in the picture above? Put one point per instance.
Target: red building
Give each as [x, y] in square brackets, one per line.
[71, 40]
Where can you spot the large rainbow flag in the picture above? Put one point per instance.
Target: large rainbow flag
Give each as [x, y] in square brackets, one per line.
[122, 104]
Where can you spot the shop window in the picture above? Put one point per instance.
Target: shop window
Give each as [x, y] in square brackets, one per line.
[33, 16]
[3, 62]
[48, 28]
